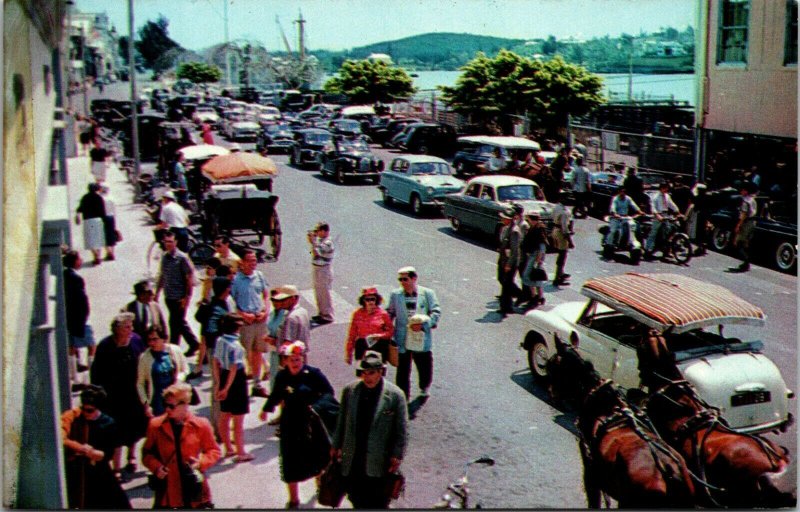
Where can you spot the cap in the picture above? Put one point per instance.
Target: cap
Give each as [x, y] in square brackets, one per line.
[168, 195]
[372, 360]
[407, 270]
[142, 286]
[286, 291]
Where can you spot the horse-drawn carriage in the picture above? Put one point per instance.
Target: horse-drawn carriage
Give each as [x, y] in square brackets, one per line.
[237, 200]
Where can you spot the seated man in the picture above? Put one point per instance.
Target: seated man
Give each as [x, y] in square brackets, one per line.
[662, 206]
[622, 209]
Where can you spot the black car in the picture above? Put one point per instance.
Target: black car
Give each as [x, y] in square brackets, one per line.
[349, 128]
[350, 158]
[430, 139]
[275, 138]
[384, 134]
[775, 236]
[308, 146]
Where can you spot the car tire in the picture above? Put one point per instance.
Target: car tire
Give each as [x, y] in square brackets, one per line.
[292, 158]
[416, 205]
[721, 239]
[387, 199]
[456, 224]
[681, 248]
[786, 256]
[341, 179]
[537, 361]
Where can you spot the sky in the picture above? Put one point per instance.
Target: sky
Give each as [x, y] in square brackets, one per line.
[344, 24]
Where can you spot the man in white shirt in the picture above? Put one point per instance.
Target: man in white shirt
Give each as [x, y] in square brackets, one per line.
[581, 187]
[322, 272]
[175, 218]
[663, 205]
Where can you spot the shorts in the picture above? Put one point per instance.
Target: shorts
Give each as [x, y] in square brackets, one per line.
[87, 340]
[252, 337]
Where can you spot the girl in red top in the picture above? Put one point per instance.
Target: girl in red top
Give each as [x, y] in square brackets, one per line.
[371, 327]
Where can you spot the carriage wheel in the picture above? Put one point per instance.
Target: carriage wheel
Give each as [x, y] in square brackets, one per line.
[275, 239]
[154, 254]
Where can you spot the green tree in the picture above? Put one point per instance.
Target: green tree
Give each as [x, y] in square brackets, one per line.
[365, 81]
[491, 90]
[154, 43]
[199, 72]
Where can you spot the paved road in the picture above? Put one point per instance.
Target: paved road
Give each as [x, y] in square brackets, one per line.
[483, 398]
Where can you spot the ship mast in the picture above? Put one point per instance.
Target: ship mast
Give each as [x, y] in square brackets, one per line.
[301, 36]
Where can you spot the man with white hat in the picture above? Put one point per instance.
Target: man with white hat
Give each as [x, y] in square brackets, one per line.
[414, 338]
[297, 324]
[175, 218]
[371, 433]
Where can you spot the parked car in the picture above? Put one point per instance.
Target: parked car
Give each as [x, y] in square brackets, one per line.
[242, 128]
[350, 158]
[479, 205]
[267, 115]
[319, 110]
[308, 146]
[419, 181]
[398, 141]
[385, 134]
[775, 236]
[430, 138]
[605, 186]
[275, 138]
[731, 375]
[206, 114]
[475, 150]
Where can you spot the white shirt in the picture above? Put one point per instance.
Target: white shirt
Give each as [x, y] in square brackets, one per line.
[663, 203]
[580, 179]
[174, 216]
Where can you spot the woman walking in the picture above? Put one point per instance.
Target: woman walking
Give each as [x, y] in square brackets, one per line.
[535, 244]
[304, 442]
[115, 369]
[230, 385]
[93, 210]
[371, 327]
[159, 367]
[179, 448]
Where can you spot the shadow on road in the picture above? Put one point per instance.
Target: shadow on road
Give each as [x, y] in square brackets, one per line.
[471, 237]
[567, 415]
[405, 210]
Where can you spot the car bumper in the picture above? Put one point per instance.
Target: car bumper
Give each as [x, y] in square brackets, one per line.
[244, 135]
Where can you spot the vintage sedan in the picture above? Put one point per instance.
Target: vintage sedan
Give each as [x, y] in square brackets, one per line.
[309, 143]
[206, 114]
[731, 375]
[419, 181]
[350, 158]
[475, 150]
[479, 205]
[275, 138]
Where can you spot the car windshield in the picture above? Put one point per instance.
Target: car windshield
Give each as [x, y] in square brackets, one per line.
[359, 144]
[348, 125]
[274, 128]
[430, 168]
[318, 138]
[518, 192]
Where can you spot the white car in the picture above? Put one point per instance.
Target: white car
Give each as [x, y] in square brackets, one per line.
[206, 115]
[268, 115]
[729, 374]
[419, 181]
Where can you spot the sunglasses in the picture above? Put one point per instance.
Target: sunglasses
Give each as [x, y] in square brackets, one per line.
[173, 406]
[88, 409]
[403, 279]
[370, 299]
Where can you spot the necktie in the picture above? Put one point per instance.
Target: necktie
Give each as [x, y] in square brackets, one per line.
[145, 319]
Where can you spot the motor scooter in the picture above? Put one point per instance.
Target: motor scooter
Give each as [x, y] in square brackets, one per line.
[626, 240]
[671, 240]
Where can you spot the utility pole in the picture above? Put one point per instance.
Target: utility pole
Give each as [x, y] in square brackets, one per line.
[227, 42]
[134, 96]
[300, 36]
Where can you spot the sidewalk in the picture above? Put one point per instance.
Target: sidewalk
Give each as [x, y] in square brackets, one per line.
[251, 485]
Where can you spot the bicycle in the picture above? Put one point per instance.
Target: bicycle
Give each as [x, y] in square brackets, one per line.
[457, 494]
[199, 251]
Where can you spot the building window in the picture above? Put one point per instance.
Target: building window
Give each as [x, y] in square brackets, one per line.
[790, 46]
[732, 47]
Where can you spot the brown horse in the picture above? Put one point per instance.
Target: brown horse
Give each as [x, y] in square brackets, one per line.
[735, 470]
[622, 456]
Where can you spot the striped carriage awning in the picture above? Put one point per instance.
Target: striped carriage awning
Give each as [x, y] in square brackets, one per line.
[662, 301]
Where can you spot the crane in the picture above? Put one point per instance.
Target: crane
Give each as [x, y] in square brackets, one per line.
[283, 35]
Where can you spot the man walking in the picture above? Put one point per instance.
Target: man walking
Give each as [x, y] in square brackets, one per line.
[175, 218]
[146, 312]
[508, 259]
[176, 278]
[414, 339]
[77, 312]
[224, 253]
[297, 325]
[249, 291]
[743, 232]
[562, 239]
[581, 188]
[371, 433]
[322, 272]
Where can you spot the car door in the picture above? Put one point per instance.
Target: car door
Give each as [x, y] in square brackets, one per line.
[594, 345]
[463, 205]
[625, 366]
[487, 210]
[400, 186]
[389, 177]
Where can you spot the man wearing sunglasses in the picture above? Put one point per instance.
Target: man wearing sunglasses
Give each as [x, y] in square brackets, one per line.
[406, 302]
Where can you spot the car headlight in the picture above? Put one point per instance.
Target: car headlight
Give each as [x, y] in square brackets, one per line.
[430, 190]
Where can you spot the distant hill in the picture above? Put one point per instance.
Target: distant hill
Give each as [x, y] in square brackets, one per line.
[436, 50]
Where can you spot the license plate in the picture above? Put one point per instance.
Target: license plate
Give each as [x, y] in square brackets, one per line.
[753, 397]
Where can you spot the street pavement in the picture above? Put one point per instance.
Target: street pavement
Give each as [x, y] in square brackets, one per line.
[483, 401]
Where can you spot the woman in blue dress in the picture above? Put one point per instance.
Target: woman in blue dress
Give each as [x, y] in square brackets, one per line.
[162, 365]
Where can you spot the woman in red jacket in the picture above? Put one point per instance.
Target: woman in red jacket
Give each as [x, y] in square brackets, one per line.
[371, 327]
[180, 465]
